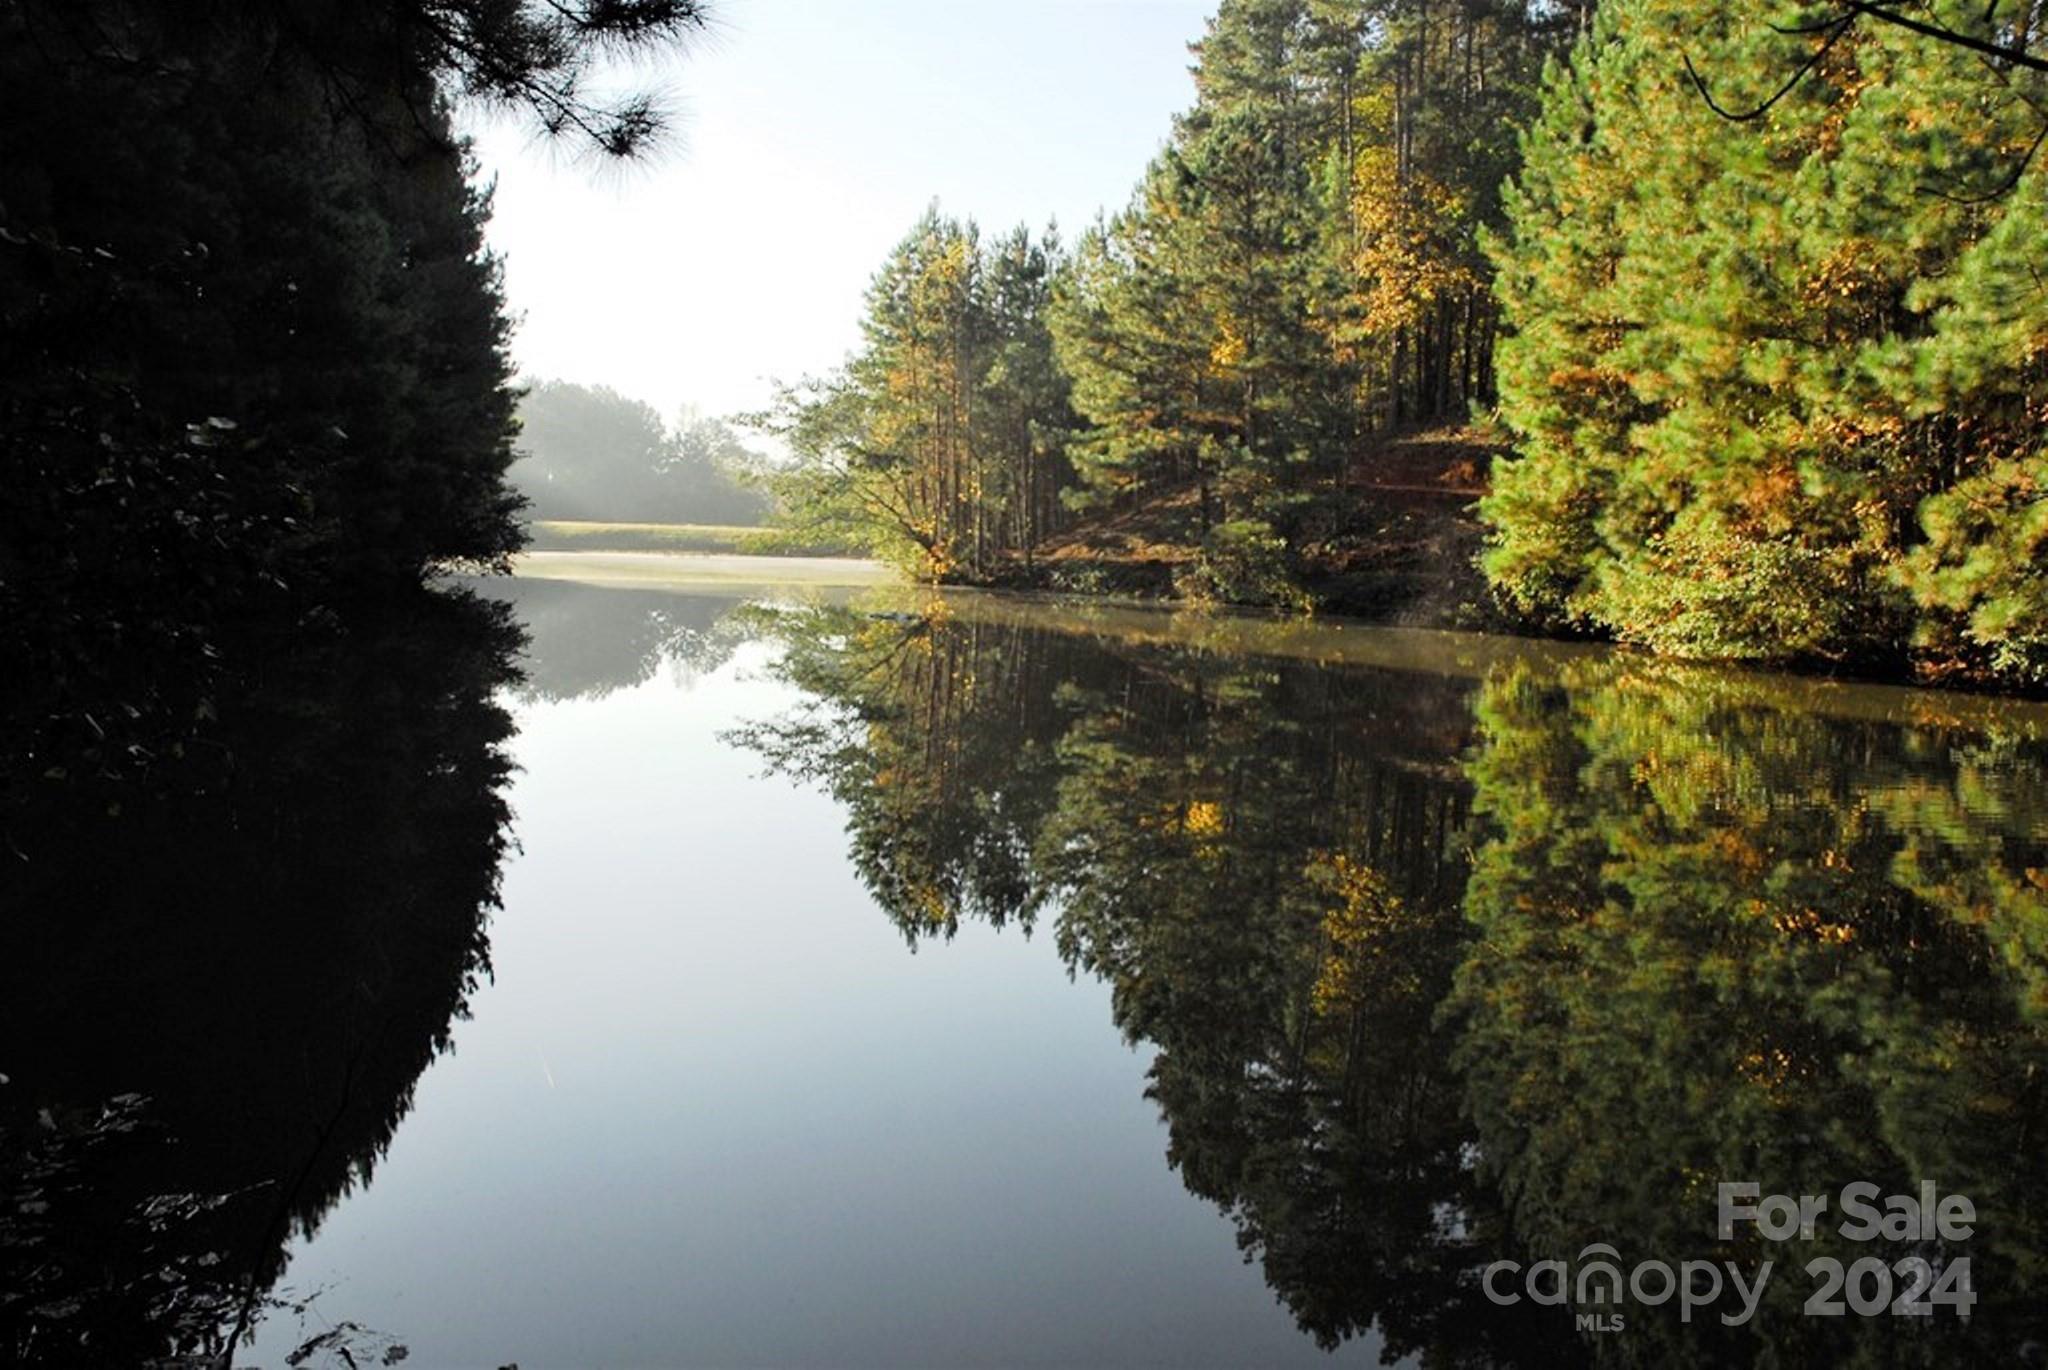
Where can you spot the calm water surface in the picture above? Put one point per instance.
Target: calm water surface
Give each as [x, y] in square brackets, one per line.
[711, 1111]
[899, 980]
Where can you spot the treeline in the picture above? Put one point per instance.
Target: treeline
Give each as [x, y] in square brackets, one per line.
[942, 443]
[1301, 266]
[252, 339]
[1298, 269]
[1775, 383]
[588, 452]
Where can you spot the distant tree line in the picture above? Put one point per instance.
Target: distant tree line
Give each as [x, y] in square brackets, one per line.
[588, 452]
[1752, 288]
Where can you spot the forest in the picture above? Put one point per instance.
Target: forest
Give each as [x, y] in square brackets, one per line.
[1728, 316]
[1711, 328]
[256, 350]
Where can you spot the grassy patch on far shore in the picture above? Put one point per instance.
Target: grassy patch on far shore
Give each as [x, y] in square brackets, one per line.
[564, 535]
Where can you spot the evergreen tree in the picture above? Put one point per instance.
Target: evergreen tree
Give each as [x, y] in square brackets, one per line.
[253, 338]
[938, 444]
[1777, 385]
[1024, 415]
[1189, 323]
[1420, 97]
[1300, 266]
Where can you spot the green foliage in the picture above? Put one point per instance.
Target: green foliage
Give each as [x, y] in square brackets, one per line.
[1280, 954]
[1187, 322]
[940, 445]
[1777, 386]
[1985, 562]
[1243, 561]
[1300, 267]
[1498, 961]
[1801, 988]
[254, 345]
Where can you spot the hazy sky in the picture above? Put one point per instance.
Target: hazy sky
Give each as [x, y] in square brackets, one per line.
[814, 133]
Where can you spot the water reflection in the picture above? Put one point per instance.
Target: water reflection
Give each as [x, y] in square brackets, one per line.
[1443, 966]
[1443, 951]
[587, 644]
[232, 943]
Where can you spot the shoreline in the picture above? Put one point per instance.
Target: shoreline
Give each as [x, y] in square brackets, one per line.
[1336, 639]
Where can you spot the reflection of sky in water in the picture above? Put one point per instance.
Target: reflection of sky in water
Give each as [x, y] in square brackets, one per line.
[712, 1112]
[1412, 925]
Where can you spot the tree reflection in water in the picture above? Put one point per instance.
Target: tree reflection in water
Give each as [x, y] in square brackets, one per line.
[1446, 969]
[1445, 955]
[238, 928]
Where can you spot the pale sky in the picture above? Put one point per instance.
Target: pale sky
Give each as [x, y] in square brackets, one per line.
[814, 132]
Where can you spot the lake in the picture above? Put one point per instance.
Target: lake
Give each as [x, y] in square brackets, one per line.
[832, 974]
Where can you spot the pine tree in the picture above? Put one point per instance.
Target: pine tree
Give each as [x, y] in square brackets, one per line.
[1024, 415]
[253, 340]
[1300, 266]
[1761, 371]
[1418, 96]
[938, 444]
[1190, 321]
